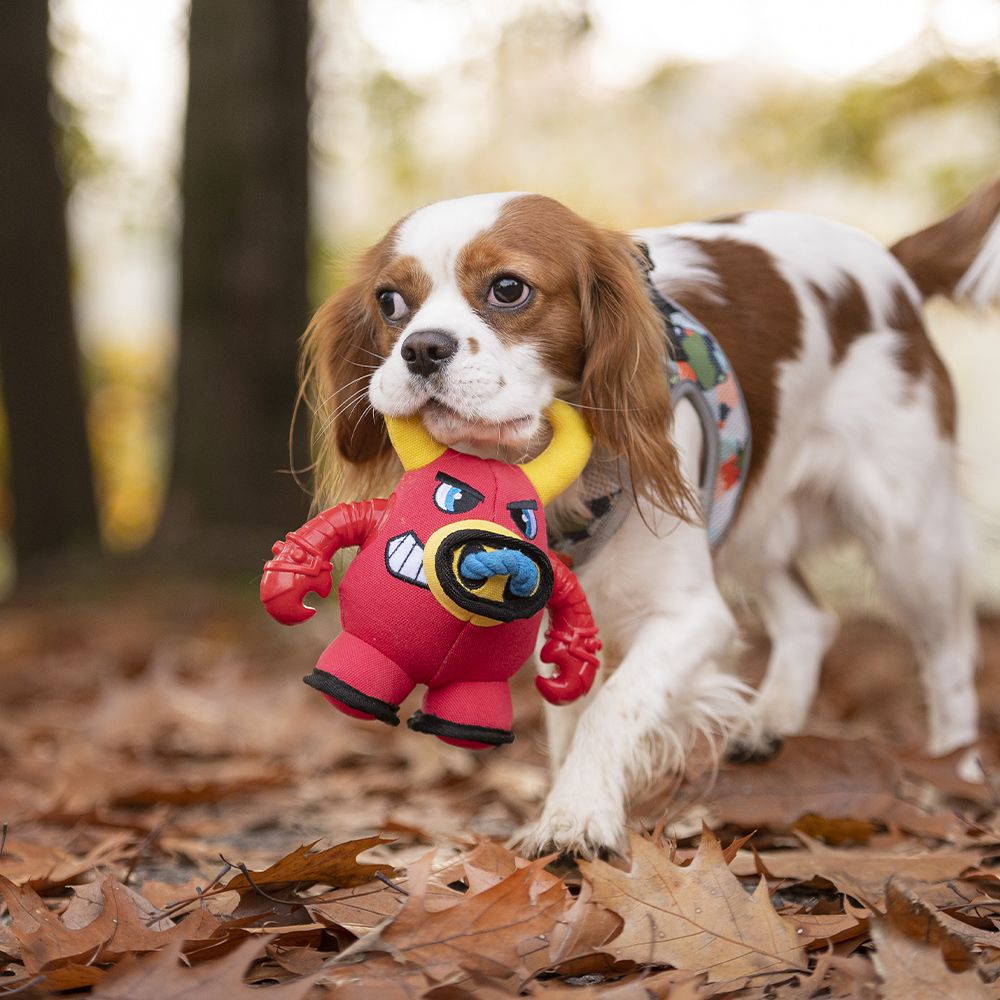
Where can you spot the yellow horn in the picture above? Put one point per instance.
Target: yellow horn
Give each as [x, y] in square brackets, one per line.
[563, 460]
[414, 445]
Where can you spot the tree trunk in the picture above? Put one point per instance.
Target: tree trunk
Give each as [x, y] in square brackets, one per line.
[51, 480]
[244, 282]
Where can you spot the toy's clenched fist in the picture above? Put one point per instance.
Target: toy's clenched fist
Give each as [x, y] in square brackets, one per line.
[573, 651]
[572, 643]
[301, 563]
[296, 570]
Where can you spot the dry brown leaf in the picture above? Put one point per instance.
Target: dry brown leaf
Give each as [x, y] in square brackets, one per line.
[359, 909]
[834, 831]
[585, 929]
[912, 970]
[835, 977]
[960, 944]
[860, 872]
[45, 866]
[166, 894]
[335, 866]
[836, 779]
[87, 902]
[697, 918]
[118, 930]
[819, 930]
[383, 978]
[163, 977]
[490, 932]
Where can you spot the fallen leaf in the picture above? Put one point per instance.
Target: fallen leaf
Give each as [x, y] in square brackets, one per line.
[490, 932]
[834, 831]
[696, 918]
[118, 930]
[88, 902]
[358, 909]
[959, 943]
[383, 978]
[819, 930]
[912, 970]
[854, 780]
[162, 977]
[45, 866]
[860, 872]
[335, 866]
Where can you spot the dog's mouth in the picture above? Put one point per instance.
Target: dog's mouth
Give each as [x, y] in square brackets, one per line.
[451, 427]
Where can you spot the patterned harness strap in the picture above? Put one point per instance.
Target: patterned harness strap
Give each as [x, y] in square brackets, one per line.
[699, 371]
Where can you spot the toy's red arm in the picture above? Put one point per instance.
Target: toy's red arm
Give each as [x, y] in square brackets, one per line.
[571, 640]
[301, 562]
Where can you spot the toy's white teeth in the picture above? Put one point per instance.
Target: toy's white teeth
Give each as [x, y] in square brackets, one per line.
[404, 557]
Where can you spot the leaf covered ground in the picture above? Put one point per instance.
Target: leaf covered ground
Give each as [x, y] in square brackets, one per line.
[185, 819]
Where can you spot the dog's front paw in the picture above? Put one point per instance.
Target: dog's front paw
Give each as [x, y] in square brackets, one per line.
[580, 831]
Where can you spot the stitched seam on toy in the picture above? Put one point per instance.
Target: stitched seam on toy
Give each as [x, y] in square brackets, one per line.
[327, 683]
[423, 722]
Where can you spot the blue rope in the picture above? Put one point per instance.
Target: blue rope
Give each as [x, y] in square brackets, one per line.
[522, 571]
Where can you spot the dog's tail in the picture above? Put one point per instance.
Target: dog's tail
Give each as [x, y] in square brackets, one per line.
[959, 257]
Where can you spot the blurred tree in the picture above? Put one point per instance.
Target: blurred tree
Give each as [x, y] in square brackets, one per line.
[244, 280]
[51, 481]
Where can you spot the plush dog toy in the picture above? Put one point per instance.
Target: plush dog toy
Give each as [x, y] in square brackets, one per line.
[447, 588]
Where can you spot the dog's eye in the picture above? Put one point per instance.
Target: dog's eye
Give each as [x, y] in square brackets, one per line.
[507, 292]
[392, 304]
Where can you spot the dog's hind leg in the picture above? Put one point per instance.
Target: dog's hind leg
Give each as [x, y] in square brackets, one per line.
[899, 494]
[922, 569]
[801, 630]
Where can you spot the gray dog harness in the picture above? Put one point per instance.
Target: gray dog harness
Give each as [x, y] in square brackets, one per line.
[697, 370]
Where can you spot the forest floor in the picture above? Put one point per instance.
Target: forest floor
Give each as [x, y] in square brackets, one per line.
[183, 818]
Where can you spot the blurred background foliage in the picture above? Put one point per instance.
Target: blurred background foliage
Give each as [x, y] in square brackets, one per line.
[635, 112]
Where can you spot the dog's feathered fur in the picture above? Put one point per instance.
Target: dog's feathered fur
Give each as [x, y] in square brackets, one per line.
[853, 418]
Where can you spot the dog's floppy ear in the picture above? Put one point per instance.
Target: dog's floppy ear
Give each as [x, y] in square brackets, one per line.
[623, 388]
[351, 449]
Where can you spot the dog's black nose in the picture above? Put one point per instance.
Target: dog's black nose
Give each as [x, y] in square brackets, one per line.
[428, 350]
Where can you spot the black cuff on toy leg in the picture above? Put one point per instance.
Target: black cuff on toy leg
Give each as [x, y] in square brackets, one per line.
[421, 722]
[336, 688]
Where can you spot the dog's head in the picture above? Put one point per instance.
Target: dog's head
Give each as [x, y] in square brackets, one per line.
[474, 314]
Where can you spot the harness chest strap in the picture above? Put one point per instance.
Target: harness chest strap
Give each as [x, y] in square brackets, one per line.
[698, 371]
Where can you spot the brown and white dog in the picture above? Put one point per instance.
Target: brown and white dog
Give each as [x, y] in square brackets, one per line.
[477, 312]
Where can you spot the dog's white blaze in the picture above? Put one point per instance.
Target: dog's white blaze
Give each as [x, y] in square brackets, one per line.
[435, 234]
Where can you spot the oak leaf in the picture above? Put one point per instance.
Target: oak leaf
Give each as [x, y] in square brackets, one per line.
[836, 779]
[162, 977]
[860, 872]
[358, 909]
[960, 944]
[913, 970]
[45, 866]
[335, 866]
[490, 932]
[118, 930]
[698, 918]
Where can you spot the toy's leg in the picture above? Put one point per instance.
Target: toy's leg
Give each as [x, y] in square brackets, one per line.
[357, 679]
[472, 714]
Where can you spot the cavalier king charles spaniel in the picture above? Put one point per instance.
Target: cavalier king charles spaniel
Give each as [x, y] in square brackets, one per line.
[475, 313]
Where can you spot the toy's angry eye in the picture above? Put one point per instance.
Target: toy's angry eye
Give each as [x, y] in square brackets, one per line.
[524, 517]
[455, 497]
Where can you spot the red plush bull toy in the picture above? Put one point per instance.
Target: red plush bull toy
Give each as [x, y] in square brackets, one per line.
[447, 588]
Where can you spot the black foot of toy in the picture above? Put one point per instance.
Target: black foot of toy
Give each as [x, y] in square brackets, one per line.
[754, 753]
[421, 722]
[353, 698]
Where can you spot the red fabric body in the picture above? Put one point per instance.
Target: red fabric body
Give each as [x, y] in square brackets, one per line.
[398, 635]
